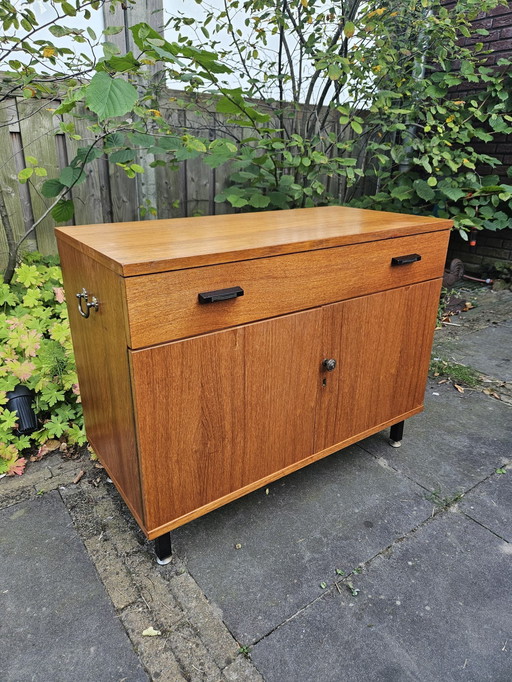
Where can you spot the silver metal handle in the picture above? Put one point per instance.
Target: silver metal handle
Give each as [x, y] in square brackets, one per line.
[83, 297]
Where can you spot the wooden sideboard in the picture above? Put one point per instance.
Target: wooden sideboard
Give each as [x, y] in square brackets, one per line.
[217, 354]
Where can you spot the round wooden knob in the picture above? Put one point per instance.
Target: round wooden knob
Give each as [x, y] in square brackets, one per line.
[329, 364]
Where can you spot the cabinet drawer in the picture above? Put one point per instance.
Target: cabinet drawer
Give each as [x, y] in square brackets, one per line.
[165, 306]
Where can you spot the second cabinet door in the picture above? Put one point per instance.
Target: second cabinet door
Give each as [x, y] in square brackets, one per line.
[218, 412]
[381, 344]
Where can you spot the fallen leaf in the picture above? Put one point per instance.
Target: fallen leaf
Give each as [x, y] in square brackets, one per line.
[443, 381]
[459, 388]
[496, 395]
[48, 446]
[18, 467]
[59, 294]
[151, 632]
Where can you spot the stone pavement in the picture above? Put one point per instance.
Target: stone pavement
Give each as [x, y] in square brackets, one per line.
[372, 564]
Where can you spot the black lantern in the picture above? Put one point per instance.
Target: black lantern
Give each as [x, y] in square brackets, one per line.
[20, 401]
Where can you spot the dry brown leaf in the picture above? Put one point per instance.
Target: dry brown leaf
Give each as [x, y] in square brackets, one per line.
[45, 448]
[459, 388]
[443, 381]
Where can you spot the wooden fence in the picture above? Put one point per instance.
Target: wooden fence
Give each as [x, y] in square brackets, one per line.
[30, 128]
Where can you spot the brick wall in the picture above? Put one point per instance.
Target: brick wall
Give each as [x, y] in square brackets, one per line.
[491, 246]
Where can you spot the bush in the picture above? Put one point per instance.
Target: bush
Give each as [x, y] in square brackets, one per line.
[36, 351]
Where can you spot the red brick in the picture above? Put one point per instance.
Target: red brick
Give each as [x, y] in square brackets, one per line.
[492, 242]
[505, 20]
[498, 11]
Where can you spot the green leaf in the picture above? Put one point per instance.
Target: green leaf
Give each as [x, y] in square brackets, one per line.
[59, 31]
[334, 72]
[51, 188]
[71, 176]
[401, 192]
[86, 155]
[423, 190]
[453, 193]
[112, 30]
[109, 97]
[31, 159]
[236, 200]
[63, 211]
[356, 127]
[68, 9]
[114, 140]
[122, 156]
[259, 201]
[349, 29]
[120, 64]
[25, 174]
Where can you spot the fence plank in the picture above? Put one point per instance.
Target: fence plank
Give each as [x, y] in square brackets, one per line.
[200, 181]
[38, 128]
[9, 181]
[87, 197]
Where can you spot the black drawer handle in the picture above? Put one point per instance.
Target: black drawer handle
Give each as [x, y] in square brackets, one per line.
[220, 295]
[404, 260]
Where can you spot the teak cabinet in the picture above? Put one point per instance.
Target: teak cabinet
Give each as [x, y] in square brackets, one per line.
[216, 354]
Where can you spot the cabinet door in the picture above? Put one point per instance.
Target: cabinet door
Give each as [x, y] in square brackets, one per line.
[219, 412]
[381, 344]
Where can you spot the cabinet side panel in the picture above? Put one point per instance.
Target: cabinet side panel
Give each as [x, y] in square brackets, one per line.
[382, 345]
[101, 355]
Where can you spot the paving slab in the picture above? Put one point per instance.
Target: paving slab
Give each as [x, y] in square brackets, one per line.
[435, 608]
[459, 440]
[490, 504]
[57, 622]
[336, 513]
[488, 350]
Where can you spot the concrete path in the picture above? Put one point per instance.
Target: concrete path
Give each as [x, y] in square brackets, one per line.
[373, 564]
[57, 621]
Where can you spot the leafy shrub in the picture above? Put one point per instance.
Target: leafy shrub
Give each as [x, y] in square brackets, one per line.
[36, 351]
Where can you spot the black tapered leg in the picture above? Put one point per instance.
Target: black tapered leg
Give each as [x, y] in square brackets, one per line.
[163, 549]
[396, 434]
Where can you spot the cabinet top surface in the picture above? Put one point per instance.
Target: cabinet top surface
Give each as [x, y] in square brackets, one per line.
[137, 248]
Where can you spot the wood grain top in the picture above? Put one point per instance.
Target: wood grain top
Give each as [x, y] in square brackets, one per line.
[137, 248]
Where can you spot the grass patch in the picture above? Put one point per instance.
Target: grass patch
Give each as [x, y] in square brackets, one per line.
[459, 374]
[443, 502]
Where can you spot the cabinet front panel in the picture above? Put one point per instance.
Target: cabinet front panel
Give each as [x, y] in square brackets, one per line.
[163, 307]
[381, 344]
[220, 411]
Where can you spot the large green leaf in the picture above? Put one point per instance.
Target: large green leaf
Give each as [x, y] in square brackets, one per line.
[51, 188]
[453, 193]
[423, 190]
[63, 211]
[110, 97]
